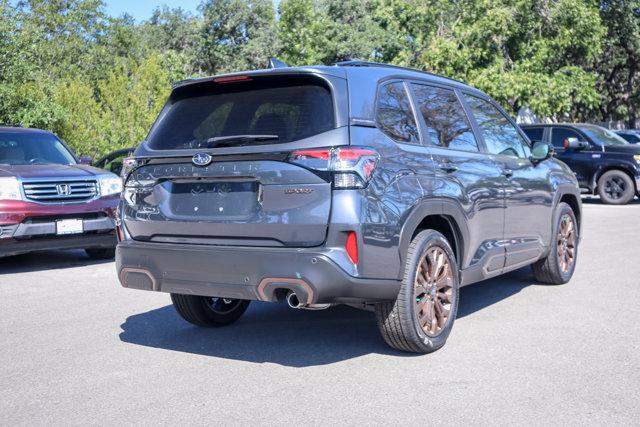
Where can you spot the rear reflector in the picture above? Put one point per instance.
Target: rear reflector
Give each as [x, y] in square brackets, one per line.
[119, 233]
[352, 247]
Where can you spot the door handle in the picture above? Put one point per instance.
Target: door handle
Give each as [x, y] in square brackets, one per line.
[507, 172]
[448, 167]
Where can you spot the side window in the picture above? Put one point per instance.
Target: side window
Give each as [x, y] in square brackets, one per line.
[447, 123]
[558, 135]
[394, 114]
[534, 134]
[500, 136]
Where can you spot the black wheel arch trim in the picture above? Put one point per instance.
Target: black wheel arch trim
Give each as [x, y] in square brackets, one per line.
[450, 210]
[567, 189]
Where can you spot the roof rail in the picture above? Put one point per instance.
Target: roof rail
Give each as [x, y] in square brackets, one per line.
[357, 63]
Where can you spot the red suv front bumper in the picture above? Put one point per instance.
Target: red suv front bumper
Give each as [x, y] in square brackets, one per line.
[27, 226]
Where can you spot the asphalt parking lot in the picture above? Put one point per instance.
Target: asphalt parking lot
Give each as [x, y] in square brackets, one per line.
[76, 348]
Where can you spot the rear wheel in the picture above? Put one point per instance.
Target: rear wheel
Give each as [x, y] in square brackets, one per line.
[616, 188]
[558, 267]
[101, 253]
[208, 311]
[421, 317]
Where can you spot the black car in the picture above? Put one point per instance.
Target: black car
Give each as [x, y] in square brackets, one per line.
[631, 135]
[362, 184]
[113, 161]
[604, 163]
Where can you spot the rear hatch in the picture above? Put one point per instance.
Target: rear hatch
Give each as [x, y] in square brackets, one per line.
[215, 169]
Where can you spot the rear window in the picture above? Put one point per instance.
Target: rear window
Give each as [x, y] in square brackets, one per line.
[534, 134]
[258, 112]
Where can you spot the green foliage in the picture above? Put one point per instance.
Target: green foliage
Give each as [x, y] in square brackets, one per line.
[619, 66]
[119, 114]
[236, 35]
[100, 81]
[523, 52]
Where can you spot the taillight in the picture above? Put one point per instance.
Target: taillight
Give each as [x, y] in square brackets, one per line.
[128, 164]
[352, 246]
[351, 167]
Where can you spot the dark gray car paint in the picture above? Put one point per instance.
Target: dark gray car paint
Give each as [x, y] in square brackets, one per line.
[502, 222]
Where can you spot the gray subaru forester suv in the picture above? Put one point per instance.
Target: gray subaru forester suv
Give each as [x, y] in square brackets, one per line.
[364, 184]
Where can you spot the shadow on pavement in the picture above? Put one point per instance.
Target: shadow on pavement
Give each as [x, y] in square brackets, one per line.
[46, 260]
[274, 333]
[594, 200]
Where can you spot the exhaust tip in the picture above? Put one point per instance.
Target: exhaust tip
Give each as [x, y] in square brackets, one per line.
[293, 301]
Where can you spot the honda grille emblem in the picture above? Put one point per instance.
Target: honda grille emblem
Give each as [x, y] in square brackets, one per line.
[63, 189]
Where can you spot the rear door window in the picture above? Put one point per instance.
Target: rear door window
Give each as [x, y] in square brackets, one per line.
[446, 122]
[394, 114]
[279, 110]
[558, 135]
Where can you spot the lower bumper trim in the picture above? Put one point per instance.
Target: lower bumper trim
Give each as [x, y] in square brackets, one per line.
[244, 273]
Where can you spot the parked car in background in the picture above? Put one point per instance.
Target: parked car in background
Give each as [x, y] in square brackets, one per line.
[48, 200]
[631, 135]
[604, 163]
[113, 161]
[365, 184]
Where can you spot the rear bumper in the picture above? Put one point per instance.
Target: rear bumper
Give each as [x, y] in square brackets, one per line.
[264, 274]
[80, 241]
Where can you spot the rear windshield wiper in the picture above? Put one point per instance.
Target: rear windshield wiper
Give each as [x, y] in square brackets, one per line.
[237, 140]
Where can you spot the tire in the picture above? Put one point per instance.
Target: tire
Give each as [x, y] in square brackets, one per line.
[616, 188]
[101, 253]
[208, 311]
[398, 320]
[551, 269]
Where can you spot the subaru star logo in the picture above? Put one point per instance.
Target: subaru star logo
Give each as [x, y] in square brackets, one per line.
[201, 159]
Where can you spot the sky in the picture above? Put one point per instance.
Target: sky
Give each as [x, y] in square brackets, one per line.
[141, 9]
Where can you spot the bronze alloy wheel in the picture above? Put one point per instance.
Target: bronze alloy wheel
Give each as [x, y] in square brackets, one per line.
[223, 305]
[566, 243]
[433, 290]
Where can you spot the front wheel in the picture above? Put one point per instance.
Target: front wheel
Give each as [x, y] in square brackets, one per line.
[616, 188]
[558, 267]
[421, 317]
[208, 311]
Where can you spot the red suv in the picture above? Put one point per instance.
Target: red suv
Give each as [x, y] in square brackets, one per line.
[50, 200]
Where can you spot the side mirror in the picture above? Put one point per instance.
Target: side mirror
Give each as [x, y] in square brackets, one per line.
[575, 144]
[85, 160]
[541, 151]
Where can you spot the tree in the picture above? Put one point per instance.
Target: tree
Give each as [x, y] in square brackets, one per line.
[619, 67]
[236, 35]
[301, 31]
[408, 25]
[325, 32]
[522, 52]
[173, 33]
